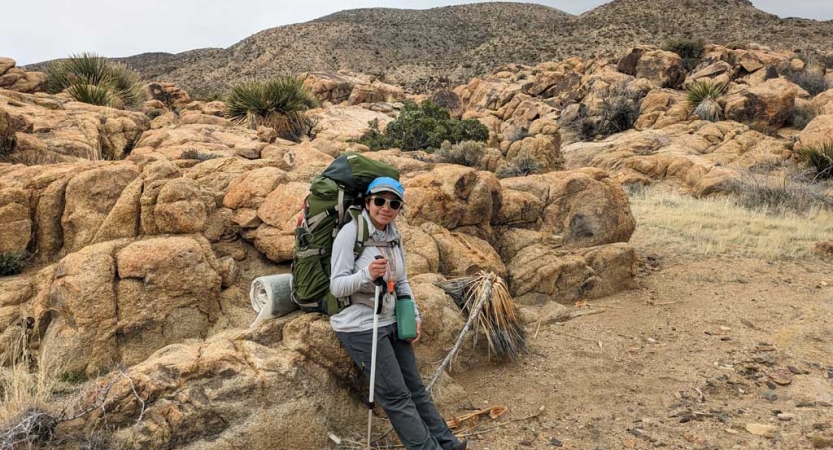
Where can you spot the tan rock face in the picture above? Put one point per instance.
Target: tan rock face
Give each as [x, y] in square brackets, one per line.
[351, 88]
[90, 197]
[168, 290]
[453, 196]
[15, 221]
[180, 207]
[57, 130]
[167, 93]
[81, 332]
[771, 102]
[818, 132]
[279, 213]
[661, 67]
[585, 207]
[16, 79]
[463, 255]
[121, 301]
[545, 150]
[341, 123]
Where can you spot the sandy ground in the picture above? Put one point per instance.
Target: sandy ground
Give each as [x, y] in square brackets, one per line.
[704, 354]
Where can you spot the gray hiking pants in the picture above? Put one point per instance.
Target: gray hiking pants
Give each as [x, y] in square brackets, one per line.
[399, 389]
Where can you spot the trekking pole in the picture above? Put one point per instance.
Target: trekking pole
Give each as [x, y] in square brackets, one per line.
[379, 282]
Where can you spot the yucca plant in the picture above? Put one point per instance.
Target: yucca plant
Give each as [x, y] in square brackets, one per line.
[819, 157]
[93, 79]
[278, 103]
[703, 95]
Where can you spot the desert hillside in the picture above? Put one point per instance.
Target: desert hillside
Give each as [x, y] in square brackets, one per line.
[662, 227]
[442, 47]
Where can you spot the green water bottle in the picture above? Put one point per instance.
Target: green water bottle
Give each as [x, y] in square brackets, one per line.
[406, 327]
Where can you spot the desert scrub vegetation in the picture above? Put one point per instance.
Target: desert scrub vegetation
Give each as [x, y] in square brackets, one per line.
[702, 97]
[803, 113]
[819, 158]
[790, 193]
[93, 79]
[519, 167]
[11, 263]
[619, 111]
[466, 153]
[718, 226]
[690, 50]
[423, 126]
[278, 103]
[811, 80]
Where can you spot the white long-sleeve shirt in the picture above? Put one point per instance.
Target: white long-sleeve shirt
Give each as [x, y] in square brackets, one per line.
[351, 278]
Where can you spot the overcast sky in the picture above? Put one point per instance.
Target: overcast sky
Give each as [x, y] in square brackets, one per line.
[38, 30]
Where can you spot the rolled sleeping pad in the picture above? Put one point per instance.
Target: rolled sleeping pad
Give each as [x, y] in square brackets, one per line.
[271, 297]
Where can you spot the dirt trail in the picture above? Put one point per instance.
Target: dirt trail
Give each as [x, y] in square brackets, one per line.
[683, 361]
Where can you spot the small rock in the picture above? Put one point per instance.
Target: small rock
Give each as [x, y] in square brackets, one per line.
[770, 395]
[731, 430]
[764, 358]
[796, 370]
[556, 443]
[526, 443]
[822, 441]
[759, 429]
[723, 328]
[786, 417]
[781, 376]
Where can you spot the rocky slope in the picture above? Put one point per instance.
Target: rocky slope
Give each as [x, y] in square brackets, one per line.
[144, 260]
[426, 49]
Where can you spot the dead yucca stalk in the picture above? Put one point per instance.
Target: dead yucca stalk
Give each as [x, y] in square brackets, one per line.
[486, 302]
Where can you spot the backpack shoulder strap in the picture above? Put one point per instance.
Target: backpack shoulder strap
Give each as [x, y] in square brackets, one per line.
[363, 234]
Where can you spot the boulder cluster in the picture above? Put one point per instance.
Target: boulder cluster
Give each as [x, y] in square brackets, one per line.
[145, 228]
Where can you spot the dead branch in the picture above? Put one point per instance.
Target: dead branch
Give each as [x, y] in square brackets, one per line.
[484, 295]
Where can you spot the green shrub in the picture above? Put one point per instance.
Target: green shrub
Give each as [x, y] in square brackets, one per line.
[702, 96]
[423, 126]
[93, 79]
[278, 103]
[466, 153]
[11, 263]
[820, 158]
[688, 49]
[519, 167]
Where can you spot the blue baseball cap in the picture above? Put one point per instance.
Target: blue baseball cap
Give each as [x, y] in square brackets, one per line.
[386, 184]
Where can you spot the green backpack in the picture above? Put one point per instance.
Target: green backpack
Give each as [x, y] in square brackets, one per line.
[335, 198]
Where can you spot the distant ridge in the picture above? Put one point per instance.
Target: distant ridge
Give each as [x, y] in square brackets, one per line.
[426, 49]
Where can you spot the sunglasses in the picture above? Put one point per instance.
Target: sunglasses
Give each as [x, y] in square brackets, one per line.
[381, 201]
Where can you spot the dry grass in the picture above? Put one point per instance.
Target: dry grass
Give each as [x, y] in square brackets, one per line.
[26, 394]
[719, 227]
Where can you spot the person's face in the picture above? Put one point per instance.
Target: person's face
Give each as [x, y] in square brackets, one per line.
[382, 215]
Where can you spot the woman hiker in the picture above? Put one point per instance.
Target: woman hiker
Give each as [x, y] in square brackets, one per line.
[399, 387]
